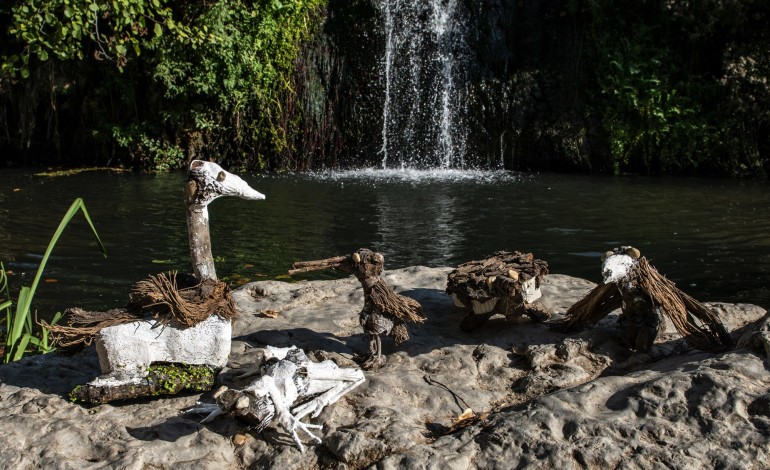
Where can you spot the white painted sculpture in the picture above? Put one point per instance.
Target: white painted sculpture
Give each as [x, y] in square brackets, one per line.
[290, 387]
[207, 182]
[126, 350]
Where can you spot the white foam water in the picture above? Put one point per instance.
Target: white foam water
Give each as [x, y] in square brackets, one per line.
[424, 74]
[411, 175]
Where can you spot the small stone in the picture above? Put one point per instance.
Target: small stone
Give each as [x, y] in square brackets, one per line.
[240, 439]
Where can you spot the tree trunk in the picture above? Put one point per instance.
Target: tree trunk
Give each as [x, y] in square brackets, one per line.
[162, 379]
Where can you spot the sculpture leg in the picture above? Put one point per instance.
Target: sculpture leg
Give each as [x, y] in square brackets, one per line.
[375, 359]
[536, 311]
[341, 386]
[639, 322]
[473, 321]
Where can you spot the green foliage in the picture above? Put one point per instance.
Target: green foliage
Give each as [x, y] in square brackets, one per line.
[667, 78]
[142, 146]
[111, 30]
[19, 329]
[646, 116]
[660, 87]
[191, 77]
[239, 82]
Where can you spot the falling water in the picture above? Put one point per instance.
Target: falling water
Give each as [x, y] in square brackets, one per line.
[424, 110]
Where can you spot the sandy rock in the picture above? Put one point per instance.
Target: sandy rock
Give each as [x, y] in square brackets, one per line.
[540, 398]
[756, 335]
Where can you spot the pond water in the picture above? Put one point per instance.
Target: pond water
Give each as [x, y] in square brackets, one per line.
[711, 237]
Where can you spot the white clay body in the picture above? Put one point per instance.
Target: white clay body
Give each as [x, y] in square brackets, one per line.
[127, 350]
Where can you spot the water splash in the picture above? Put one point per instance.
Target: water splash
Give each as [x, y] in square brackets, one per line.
[424, 113]
[421, 176]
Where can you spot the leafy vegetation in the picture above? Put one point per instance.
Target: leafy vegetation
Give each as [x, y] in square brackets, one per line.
[679, 84]
[115, 30]
[20, 334]
[149, 83]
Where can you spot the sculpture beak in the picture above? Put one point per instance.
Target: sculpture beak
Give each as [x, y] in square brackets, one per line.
[317, 265]
[234, 185]
[252, 194]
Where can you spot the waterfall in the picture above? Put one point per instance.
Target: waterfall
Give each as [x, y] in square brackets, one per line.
[424, 73]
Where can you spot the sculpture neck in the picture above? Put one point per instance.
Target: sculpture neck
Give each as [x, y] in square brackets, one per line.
[367, 282]
[200, 239]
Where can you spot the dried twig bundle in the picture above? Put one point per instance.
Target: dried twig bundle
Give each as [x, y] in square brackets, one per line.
[159, 297]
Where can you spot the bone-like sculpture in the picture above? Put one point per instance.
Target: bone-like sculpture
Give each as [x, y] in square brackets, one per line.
[127, 350]
[289, 388]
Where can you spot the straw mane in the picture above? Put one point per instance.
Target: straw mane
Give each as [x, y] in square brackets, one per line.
[709, 335]
[596, 305]
[158, 297]
[401, 306]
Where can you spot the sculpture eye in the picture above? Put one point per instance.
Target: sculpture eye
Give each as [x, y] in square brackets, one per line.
[221, 176]
[356, 258]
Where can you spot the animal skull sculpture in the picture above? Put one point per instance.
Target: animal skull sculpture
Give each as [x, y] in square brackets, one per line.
[290, 387]
[127, 350]
[644, 296]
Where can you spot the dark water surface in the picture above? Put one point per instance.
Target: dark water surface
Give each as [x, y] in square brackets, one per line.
[712, 237]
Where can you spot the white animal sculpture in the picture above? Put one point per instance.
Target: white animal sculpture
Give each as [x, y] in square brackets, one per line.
[127, 350]
[289, 388]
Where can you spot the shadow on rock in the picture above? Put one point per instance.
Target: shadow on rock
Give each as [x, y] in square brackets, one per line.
[54, 373]
[170, 430]
[302, 337]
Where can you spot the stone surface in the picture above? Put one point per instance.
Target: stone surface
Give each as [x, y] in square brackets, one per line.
[541, 398]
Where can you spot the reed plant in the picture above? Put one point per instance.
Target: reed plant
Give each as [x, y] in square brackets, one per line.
[20, 335]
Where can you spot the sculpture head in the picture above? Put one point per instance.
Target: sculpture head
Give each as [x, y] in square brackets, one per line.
[212, 181]
[363, 263]
[256, 409]
[618, 263]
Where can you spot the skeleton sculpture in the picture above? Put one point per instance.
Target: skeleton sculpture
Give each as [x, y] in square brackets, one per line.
[127, 349]
[384, 312]
[643, 294]
[289, 388]
[506, 283]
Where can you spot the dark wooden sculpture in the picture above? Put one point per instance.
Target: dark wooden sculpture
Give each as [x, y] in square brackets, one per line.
[384, 312]
[506, 283]
[632, 284]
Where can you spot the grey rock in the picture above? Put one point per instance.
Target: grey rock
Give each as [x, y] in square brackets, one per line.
[540, 399]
